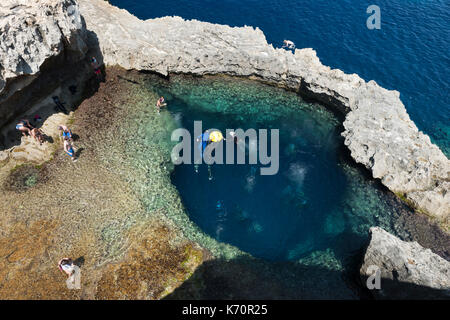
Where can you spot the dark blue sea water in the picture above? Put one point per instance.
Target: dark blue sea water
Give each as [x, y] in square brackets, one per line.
[410, 53]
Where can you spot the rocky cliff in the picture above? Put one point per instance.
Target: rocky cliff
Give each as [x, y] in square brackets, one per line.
[42, 38]
[38, 39]
[378, 130]
[407, 270]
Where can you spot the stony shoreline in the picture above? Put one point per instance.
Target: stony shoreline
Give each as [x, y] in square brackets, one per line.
[377, 131]
[86, 210]
[118, 258]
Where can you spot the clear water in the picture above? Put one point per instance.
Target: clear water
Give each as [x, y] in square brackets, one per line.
[411, 52]
[317, 205]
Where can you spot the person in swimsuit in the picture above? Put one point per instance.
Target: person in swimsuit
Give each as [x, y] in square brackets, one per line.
[65, 132]
[160, 103]
[37, 135]
[66, 266]
[24, 126]
[69, 149]
[96, 66]
[288, 44]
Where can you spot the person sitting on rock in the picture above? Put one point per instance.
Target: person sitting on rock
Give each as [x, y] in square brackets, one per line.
[66, 265]
[68, 148]
[65, 132]
[37, 135]
[288, 44]
[25, 127]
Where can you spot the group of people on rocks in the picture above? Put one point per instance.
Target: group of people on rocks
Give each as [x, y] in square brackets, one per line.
[65, 265]
[25, 127]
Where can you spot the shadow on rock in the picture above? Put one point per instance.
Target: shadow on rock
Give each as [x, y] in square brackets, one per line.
[79, 261]
[249, 278]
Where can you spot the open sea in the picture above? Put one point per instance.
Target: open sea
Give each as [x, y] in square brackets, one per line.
[410, 53]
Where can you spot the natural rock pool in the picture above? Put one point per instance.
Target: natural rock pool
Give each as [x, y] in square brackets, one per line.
[310, 205]
[299, 234]
[319, 206]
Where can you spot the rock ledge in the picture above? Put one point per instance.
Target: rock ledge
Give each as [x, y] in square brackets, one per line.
[408, 271]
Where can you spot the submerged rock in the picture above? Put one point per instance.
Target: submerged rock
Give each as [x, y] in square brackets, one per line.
[408, 271]
[378, 130]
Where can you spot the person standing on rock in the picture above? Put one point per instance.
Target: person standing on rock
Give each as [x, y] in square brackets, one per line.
[97, 69]
[68, 148]
[25, 127]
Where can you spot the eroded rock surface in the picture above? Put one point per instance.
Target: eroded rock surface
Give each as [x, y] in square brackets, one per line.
[408, 271]
[32, 33]
[378, 130]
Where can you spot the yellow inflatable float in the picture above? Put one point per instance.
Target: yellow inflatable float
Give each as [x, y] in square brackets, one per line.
[216, 136]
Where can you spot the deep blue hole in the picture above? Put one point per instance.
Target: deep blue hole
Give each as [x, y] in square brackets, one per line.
[275, 217]
[316, 210]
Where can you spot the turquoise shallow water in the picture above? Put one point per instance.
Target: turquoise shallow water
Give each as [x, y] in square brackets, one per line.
[308, 224]
[318, 204]
[410, 53]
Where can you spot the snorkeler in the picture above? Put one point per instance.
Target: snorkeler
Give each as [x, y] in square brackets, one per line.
[216, 136]
[24, 126]
[205, 139]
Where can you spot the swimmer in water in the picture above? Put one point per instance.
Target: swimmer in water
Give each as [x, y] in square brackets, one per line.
[160, 103]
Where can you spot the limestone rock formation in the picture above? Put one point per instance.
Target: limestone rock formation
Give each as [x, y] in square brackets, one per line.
[378, 130]
[31, 34]
[408, 271]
